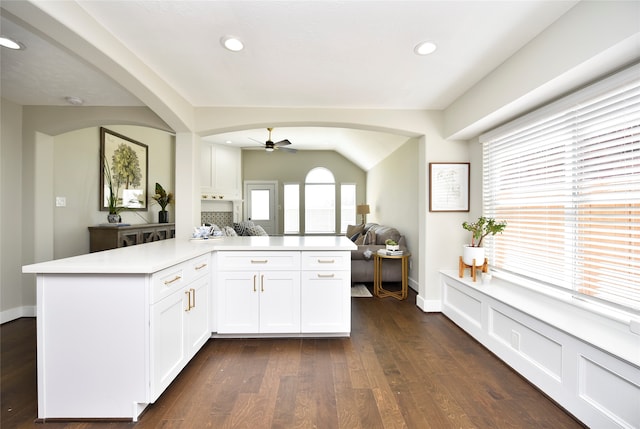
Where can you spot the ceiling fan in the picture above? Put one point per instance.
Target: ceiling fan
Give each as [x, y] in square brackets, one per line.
[270, 146]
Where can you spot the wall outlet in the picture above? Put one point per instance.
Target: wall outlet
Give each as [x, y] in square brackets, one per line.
[61, 201]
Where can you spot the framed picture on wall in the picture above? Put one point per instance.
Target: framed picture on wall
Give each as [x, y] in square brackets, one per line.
[449, 186]
[124, 164]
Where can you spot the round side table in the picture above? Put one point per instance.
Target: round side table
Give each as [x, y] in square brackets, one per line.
[381, 292]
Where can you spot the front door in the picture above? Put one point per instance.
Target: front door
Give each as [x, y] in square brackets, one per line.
[261, 200]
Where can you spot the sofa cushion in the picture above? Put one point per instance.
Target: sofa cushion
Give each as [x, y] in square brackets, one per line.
[384, 233]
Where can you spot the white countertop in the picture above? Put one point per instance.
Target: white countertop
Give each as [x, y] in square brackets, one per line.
[152, 257]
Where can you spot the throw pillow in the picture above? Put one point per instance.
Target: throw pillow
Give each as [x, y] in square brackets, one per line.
[354, 229]
[229, 231]
[355, 237]
[256, 230]
[241, 228]
[360, 240]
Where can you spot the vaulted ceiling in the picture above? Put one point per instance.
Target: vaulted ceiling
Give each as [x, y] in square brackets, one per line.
[298, 54]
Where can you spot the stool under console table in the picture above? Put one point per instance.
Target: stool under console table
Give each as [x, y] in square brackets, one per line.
[105, 237]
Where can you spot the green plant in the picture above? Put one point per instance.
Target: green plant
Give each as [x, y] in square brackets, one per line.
[483, 227]
[162, 197]
[390, 242]
[112, 199]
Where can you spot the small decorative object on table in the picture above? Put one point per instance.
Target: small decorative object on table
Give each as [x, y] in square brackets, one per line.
[473, 255]
[163, 199]
[392, 245]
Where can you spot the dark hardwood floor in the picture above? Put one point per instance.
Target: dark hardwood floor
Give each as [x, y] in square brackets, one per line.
[401, 368]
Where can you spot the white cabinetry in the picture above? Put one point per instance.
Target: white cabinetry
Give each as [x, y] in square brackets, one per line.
[326, 292]
[220, 172]
[179, 319]
[258, 292]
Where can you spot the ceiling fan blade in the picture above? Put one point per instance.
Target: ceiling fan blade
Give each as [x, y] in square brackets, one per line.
[282, 143]
[286, 149]
[257, 141]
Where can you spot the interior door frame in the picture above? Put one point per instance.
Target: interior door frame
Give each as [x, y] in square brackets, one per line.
[276, 206]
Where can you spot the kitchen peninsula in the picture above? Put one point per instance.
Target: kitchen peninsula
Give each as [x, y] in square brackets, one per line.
[116, 327]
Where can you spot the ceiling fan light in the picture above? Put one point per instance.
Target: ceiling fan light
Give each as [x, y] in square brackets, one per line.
[425, 48]
[269, 149]
[232, 43]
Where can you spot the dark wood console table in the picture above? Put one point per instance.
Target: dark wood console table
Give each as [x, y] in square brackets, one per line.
[105, 237]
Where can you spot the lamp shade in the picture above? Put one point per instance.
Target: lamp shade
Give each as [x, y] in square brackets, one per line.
[362, 209]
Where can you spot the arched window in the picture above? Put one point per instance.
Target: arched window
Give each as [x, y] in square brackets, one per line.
[320, 201]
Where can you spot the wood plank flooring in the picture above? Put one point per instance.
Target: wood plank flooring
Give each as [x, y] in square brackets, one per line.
[401, 368]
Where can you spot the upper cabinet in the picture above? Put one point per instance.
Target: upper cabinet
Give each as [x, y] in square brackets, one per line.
[220, 172]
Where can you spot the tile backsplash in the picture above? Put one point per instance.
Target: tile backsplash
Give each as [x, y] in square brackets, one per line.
[217, 218]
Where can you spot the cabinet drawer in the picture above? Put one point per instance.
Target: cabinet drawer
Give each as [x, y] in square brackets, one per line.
[326, 260]
[167, 281]
[197, 267]
[263, 261]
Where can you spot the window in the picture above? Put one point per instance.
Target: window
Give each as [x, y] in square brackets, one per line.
[291, 208]
[347, 206]
[320, 201]
[566, 178]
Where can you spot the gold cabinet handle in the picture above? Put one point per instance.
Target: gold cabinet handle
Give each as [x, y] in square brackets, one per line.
[193, 293]
[175, 279]
[329, 276]
[326, 261]
[259, 261]
[188, 293]
[254, 282]
[262, 283]
[199, 267]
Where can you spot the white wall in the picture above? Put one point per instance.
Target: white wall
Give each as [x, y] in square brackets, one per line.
[11, 298]
[392, 195]
[76, 160]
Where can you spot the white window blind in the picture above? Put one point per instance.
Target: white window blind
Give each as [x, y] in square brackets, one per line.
[566, 178]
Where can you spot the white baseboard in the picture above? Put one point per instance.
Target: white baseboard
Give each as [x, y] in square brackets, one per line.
[429, 306]
[17, 312]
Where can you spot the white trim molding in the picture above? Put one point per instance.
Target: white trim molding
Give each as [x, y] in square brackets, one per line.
[587, 361]
[17, 312]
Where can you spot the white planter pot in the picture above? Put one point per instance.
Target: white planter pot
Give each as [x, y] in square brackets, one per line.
[470, 253]
[393, 247]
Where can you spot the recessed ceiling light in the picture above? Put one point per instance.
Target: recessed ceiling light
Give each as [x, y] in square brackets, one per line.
[9, 43]
[425, 48]
[75, 101]
[232, 43]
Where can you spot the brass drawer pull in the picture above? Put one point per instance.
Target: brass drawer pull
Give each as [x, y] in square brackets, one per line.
[199, 267]
[175, 279]
[328, 276]
[259, 261]
[326, 261]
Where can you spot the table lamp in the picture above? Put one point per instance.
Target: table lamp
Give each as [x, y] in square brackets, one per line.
[363, 209]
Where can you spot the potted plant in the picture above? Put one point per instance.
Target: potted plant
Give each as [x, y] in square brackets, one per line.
[112, 199]
[391, 244]
[479, 230]
[163, 199]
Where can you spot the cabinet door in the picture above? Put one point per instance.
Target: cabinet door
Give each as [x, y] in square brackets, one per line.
[197, 297]
[227, 174]
[279, 302]
[238, 302]
[326, 301]
[168, 339]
